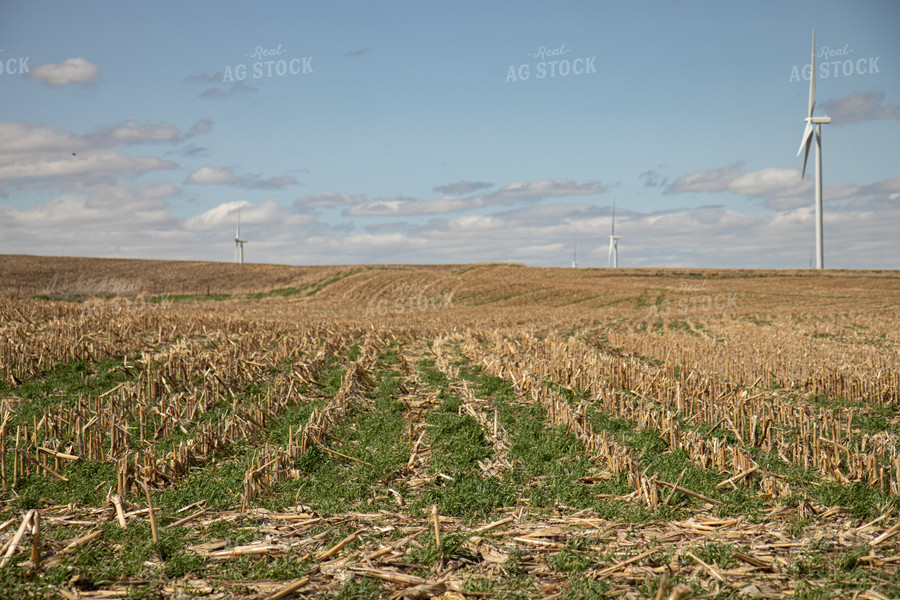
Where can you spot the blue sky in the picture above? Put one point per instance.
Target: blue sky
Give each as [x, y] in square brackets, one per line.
[454, 132]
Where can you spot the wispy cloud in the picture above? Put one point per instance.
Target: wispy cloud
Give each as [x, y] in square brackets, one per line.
[219, 91]
[462, 187]
[652, 178]
[358, 53]
[133, 132]
[714, 180]
[92, 163]
[205, 78]
[864, 106]
[202, 126]
[518, 192]
[236, 89]
[780, 189]
[209, 175]
[331, 199]
[545, 188]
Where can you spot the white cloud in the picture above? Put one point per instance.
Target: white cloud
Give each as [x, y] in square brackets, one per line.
[211, 176]
[19, 138]
[98, 208]
[92, 163]
[770, 183]
[41, 156]
[73, 71]
[268, 214]
[121, 221]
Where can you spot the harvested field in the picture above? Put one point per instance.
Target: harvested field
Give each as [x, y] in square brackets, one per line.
[176, 430]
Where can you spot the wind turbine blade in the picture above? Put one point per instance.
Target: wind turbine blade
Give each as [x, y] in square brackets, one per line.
[612, 230]
[806, 143]
[807, 135]
[812, 76]
[806, 157]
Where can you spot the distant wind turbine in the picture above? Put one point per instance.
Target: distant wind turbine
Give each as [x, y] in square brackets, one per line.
[806, 142]
[239, 242]
[613, 242]
[575, 262]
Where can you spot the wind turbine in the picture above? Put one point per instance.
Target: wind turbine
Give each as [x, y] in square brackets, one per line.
[613, 242]
[239, 242]
[575, 262]
[807, 141]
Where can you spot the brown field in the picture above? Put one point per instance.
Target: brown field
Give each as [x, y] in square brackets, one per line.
[454, 431]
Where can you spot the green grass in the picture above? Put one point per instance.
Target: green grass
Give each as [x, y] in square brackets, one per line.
[281, 292]
[187, 298]
[458, 442]
[220, 483]
[452, 548]
[548, 467]
[375, 435]
[583, 588]
[63, 384]
[576, 556]
[318, 287]
[549, 462]
[360, 588]
[88, 484]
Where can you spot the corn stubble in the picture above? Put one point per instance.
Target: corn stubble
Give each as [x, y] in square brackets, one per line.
[781, 402]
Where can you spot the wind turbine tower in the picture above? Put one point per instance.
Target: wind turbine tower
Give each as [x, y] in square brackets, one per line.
[575, 262]
[613, 256]
[239, 242]
[806, 142]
